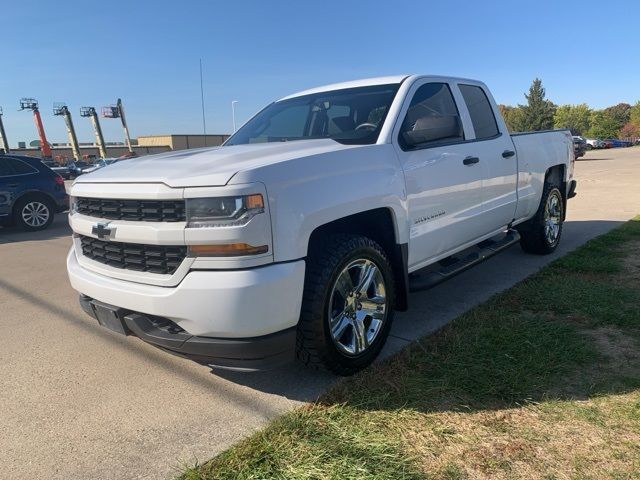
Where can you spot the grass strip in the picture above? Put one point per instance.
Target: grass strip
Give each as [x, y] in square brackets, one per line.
[540, 381]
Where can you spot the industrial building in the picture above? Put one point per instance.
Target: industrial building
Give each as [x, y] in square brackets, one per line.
[181, 142]
[144, 145]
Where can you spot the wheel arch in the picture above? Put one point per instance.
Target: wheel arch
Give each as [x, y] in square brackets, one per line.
[557, 175]
[379, 224]
[34, 194]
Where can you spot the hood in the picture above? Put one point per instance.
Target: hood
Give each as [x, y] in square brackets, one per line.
[207, 166]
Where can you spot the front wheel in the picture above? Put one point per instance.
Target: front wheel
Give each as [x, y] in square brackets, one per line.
[542, 233]
[347, 306]
[33, 213]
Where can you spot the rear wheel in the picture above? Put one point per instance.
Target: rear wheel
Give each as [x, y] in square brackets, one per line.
[33, 213]
[541, 234]
[347, 305]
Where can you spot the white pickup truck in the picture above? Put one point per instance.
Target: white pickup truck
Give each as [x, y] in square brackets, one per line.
[307, 229]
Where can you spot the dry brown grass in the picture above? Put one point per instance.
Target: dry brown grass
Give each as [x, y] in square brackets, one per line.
[595, 438]
[587, 439]
[631, 264]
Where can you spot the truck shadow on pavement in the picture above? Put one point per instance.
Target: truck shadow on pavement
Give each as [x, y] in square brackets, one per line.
[584, 159]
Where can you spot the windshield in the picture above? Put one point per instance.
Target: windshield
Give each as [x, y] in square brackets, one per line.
[351, 116]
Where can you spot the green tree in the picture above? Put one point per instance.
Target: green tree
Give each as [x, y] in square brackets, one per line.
[634, 114]
[576, 118]
[620, 114]
[512, 117]
[603, 124]
[538, 113]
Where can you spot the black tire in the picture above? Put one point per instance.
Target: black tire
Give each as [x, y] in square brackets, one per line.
[33, 203]
[316, 346]
[533, 234]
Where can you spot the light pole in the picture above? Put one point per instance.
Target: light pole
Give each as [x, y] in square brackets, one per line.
[233, 114]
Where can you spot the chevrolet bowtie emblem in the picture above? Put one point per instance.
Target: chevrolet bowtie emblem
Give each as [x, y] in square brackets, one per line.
[102, 230]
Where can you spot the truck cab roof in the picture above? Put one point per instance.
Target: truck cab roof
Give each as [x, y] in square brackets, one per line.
[366, 82]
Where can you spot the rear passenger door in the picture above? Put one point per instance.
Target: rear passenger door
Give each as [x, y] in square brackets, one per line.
[5, 191]
[14, 175]
[9, 184]
[493, 146]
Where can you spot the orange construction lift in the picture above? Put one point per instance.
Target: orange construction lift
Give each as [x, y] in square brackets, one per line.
[32, 104]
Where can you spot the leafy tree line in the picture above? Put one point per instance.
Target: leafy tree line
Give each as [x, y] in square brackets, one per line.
[618, 121]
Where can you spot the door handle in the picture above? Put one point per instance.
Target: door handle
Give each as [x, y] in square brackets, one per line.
[470, 160]
[508, 153]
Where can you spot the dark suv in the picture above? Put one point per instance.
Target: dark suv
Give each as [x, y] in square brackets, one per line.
[30, 192]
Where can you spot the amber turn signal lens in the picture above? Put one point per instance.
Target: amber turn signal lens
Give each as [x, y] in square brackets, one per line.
[254, 201]
[227, 250]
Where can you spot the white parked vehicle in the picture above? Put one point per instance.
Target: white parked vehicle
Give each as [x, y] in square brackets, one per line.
[594, 143]
[311, 225]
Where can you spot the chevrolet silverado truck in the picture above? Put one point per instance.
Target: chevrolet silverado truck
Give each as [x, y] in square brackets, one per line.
[310, 226]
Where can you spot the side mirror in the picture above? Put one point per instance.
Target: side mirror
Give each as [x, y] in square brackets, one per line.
[431, 129]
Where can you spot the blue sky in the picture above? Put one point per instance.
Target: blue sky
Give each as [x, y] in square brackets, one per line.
[147, 52]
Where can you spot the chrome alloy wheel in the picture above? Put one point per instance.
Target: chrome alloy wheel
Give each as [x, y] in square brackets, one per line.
[552, 217]
[35, 214]
[357, 307]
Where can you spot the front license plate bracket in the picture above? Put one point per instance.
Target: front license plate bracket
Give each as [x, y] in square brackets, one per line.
[109, 317]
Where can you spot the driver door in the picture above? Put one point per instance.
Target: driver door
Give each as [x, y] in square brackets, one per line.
[444, 182]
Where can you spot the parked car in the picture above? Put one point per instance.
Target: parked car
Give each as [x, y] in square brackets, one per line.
[82, 168]
[579, 146]
[94, 166]
[79, 167]
[64, 172]
[615, 143]
[594, 143]
[30, 192]
[309, 227]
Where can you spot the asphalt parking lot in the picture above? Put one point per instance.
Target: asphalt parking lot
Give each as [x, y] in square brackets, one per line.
[80, 402]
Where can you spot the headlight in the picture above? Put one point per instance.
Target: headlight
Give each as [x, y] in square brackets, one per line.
[73, 205]
[223, 211]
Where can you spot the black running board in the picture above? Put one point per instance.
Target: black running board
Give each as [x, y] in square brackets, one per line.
[487, 248]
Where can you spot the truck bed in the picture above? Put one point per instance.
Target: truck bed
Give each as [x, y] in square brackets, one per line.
[536, 152]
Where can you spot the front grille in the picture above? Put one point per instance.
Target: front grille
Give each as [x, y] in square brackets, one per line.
[141, 210]
[134, 256]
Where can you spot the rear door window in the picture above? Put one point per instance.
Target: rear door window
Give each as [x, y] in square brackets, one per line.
[482, 117]
[12, 166]
[4, 168]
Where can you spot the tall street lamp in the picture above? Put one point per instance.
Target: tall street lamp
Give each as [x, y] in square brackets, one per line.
[233, 114]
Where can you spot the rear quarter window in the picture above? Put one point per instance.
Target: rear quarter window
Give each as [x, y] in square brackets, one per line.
[480, 111]
[13, 166]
